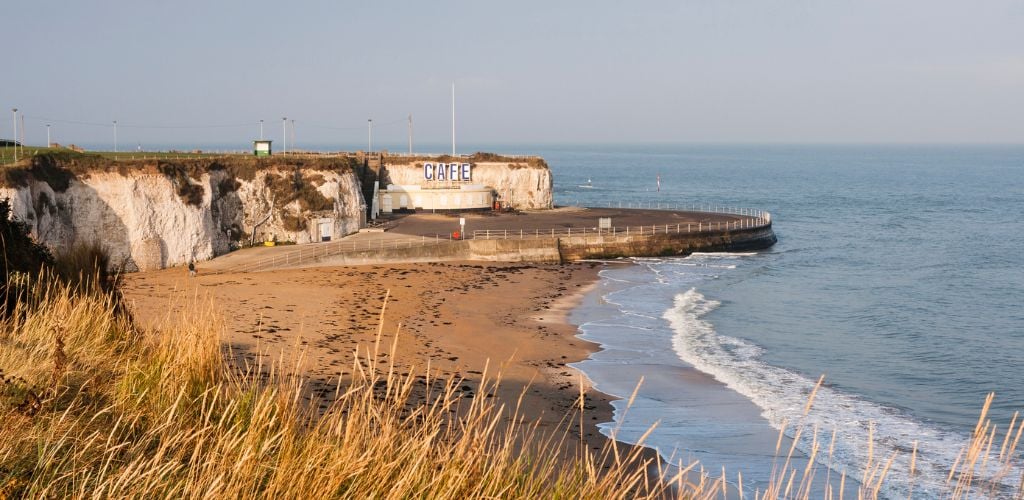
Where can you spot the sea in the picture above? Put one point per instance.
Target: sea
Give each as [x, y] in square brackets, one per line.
[897, 280]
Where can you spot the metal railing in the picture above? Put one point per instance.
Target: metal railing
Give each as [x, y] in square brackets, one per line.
[615, 231]
[305, 254]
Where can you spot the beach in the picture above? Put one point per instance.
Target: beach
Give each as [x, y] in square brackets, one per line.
[468, 321]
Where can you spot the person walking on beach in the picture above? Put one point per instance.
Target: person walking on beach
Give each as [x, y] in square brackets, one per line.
[191, 269]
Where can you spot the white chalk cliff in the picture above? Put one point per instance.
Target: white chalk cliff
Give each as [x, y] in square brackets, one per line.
[149, 217]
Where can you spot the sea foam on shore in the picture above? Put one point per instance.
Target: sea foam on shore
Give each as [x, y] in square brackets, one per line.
[713, 397]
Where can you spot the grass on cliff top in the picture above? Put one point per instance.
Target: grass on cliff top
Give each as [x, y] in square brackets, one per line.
[92, 406]
[517, 161]
[7, 154]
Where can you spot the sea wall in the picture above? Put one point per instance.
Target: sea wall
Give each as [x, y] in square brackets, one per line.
[155, 214]
[546, 250]
[518, 183]
[606, 246]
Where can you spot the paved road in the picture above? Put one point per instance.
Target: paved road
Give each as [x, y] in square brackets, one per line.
[427, 224]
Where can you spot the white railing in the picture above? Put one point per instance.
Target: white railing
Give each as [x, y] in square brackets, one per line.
[305, 254]
[742, 223]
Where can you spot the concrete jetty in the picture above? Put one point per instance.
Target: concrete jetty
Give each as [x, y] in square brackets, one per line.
[550, 236]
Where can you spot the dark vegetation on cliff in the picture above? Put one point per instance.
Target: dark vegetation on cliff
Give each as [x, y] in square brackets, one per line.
[59, 168]
[85, 266]
[513, 162]
[286, 188]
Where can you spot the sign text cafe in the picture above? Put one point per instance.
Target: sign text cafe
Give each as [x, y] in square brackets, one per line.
[447, 171]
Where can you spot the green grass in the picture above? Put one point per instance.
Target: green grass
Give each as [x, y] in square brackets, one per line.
[7, 154]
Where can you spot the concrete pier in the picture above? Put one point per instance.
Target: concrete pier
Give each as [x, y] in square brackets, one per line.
[550, 236]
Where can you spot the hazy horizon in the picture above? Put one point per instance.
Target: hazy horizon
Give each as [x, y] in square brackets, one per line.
[836, 72]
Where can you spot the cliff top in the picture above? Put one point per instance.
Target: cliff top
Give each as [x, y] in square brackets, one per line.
[58, 168]
[478, 157]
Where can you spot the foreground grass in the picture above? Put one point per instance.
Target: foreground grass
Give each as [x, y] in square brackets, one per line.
[92, 407]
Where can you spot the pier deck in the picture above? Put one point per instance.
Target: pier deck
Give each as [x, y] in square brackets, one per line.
[563, 234]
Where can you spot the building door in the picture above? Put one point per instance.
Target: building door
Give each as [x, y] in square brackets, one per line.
[325, 231]
[403, 201]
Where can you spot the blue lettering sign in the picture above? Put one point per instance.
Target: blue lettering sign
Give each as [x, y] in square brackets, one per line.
[447, 171]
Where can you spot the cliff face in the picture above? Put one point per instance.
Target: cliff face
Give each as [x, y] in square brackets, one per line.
[150, 215]
[520, 185]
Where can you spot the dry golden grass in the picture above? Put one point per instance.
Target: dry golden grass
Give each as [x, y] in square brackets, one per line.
[90, 407]
[93, 408]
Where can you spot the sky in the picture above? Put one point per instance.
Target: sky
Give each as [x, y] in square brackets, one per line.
[525, 72]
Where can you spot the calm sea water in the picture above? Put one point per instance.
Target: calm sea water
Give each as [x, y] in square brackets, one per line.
[897, 276]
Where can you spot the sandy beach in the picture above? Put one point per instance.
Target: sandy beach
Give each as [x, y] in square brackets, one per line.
[455, 320]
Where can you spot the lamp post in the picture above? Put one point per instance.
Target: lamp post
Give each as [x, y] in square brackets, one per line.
[115, 136]
[261, 130]
[15, 138]
[453, 118]
[48, 135]
[284, 135]
[293, 134]
[369, 135]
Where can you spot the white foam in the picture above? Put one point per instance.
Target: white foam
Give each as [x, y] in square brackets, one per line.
[782, 395]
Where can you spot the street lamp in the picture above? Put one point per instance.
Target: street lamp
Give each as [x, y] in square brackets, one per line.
[48, 135]
[284, 135]
[115, 136]
[369, 135]
[261, 130]
[15, 138]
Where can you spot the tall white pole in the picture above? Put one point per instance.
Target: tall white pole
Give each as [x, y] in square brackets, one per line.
[369, 135]
[261, 130]
[115, 136]
[453, 118]
[284, 135]
[48, 135]
[410, 134]
[293, 134]
[15, 138]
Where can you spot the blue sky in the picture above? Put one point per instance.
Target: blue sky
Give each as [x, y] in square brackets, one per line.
[798, 71]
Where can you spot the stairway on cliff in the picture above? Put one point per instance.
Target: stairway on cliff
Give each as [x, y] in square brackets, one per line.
[369, 174]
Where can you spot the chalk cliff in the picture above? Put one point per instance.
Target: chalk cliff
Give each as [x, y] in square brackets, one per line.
[155, 214]
[520, 183]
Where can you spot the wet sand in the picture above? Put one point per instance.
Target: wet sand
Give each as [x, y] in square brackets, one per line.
[455, 320]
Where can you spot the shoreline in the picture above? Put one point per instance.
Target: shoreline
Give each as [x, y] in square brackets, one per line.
[318, 316]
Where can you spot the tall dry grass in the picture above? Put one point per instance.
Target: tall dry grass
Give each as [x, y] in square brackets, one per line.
[92, 407]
